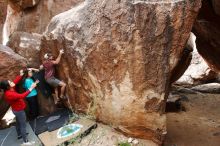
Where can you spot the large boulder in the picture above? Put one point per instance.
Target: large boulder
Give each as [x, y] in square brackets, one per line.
[26, 45]
[195, 70]
[33, 15]
[205, 64]
[118, 58]
[198, 72]
[207, 31]
[10, 65]
[3, 11]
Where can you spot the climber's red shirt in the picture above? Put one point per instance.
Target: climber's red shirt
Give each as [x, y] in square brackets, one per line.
[14, 99]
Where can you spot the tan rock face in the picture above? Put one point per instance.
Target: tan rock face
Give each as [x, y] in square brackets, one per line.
[10, 65]
[36, 17]
[205, 62]
[23, 4]
[184, 60]
[207, 31]
[192, 69]
[118, 58]
[26, 45]
[3, 11]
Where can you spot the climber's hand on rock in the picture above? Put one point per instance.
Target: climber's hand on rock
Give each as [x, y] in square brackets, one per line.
[41, 67]
[29, 69]
[21, 72]
[33, 69]
[61, 51]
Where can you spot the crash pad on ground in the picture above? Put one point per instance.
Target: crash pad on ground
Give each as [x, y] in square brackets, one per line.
[79, 128]
[50, 122]
[8, 137]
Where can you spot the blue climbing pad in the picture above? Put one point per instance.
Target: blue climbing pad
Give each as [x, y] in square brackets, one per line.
[8, 137]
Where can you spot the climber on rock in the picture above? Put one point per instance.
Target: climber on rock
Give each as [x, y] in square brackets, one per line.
[49, 66]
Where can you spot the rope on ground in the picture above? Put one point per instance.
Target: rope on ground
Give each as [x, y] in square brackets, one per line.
[6, 137]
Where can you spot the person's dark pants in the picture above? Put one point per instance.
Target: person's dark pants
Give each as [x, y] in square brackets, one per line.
[21, 124]
[33, 106]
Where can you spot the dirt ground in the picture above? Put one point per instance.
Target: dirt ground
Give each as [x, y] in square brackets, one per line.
[199, 125]
[106, 136]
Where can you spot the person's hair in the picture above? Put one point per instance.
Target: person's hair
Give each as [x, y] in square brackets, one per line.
[4, 85]
[25, 74]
